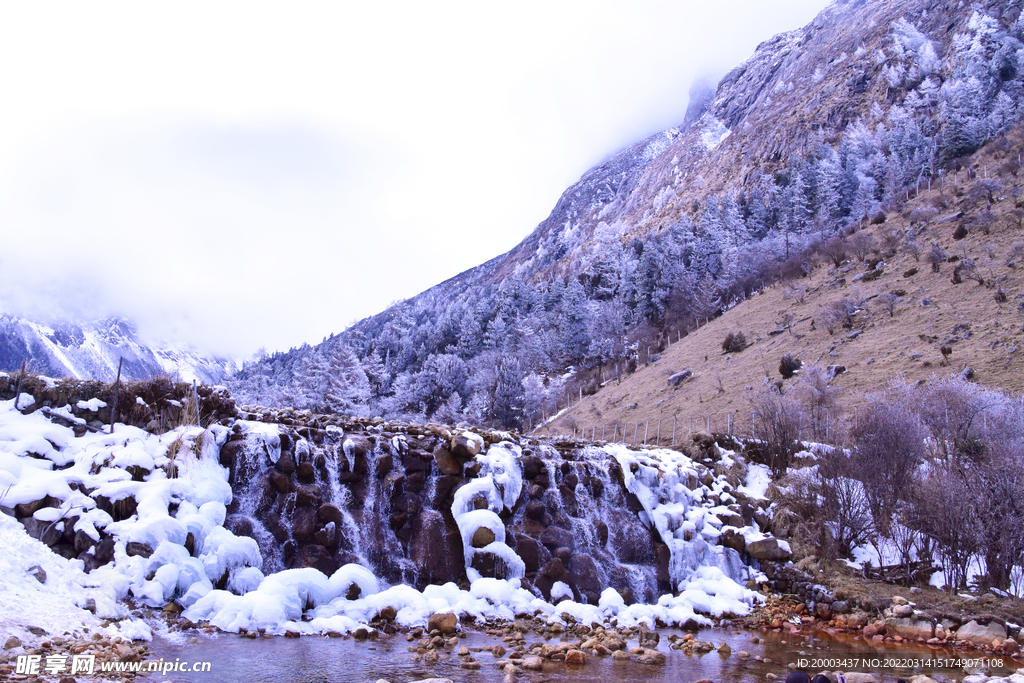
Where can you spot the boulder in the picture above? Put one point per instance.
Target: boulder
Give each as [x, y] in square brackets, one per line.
[533, 663]
[768, 549]
[536, 510]
[305, 472]
[981, 633]
[303, 524]
[652, 657]
[318, 557]
[588, 576]
[679, 377]
[732, 539]
[134, 548]
[436, 550]
[466, 445]
[909, 628]
[859, 677]
[532, 466]
[556, 537]
[329, 512]
[445, 462]
[279, 481]
[445, 622]
[533, 554]
[482, 537]
[308, 495]
[356, 444]
[575, 658]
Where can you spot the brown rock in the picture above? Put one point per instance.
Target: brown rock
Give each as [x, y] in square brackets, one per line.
[329, 512]
[466, 446]
[279, 481]
[445, 622]
[533, 663]
[575, 658]
[305, 472]
[910, 628]
[981, 634]
[652, 657]
[446, 462]
[768, 549]
[134, 548]
[482, 537]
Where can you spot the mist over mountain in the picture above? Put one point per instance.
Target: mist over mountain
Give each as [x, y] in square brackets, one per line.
[816, 133]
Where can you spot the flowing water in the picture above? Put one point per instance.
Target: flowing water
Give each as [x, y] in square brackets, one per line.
[329, 660]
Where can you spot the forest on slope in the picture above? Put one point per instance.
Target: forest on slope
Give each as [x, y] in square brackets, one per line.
[823, 130]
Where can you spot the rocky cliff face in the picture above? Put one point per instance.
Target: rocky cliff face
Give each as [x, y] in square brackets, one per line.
[428, 505]
[92, 350]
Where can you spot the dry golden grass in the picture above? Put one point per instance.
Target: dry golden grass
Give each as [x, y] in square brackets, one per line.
[905, 344]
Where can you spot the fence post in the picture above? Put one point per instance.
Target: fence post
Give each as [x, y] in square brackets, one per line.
[659, 434]
[635, 431]
[673, 431]
[647, 426]
[17, 388]
[117, 385]
[615, 432]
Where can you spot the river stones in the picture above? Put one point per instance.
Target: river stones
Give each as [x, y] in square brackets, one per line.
[979, 633]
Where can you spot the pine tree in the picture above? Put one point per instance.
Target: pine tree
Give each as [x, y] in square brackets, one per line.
[509, 396]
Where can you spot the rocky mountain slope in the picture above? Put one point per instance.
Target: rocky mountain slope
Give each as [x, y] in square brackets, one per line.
[822, 130]
[91, 350]
[935, 290]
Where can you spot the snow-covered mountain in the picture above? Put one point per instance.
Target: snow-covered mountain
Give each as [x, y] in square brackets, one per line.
[92, 350]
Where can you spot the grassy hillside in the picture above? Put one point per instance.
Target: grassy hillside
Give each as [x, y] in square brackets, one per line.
[979, 323]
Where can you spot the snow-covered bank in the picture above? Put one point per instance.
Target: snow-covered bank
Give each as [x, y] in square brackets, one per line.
[143, 515]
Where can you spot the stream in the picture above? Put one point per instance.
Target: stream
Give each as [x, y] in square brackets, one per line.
[326, 660]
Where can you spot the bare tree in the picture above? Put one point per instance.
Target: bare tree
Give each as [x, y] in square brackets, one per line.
[890, 442]
[862, 244]
[889, 301]
[836, 250]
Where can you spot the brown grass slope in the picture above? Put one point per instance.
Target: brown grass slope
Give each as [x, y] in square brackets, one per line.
[981, 323]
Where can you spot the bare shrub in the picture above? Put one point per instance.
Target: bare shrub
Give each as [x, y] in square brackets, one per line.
[862, 244]
[836, 250]
[796, 293]
[913, 247]
[983, 221]
[844, 502]
[777, 427]
[923, 214]
[821, 404]
[942, 511]
[888, 301]
[890, 442]
[734, 342]
[936, 256]
[842, 312]
[891, 242]
[789, 365]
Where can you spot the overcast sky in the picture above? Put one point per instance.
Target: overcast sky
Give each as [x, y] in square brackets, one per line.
[246, 174]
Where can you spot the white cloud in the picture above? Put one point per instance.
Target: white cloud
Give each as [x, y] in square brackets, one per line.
[250, 174]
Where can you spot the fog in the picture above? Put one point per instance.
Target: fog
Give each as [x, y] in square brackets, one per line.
[240, 175]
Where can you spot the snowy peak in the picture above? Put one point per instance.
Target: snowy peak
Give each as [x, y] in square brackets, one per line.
[92, 350]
